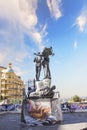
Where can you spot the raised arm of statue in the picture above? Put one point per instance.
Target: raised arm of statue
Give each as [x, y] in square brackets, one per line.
[38, 54]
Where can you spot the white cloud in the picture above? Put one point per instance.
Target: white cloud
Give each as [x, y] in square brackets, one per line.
[13, 53]
[75, 45]
[39, 36]
[44, 32]
[22, 15]
[81, 21]
[18, 17]
[18, 71]
[23, 12]
[54, 8]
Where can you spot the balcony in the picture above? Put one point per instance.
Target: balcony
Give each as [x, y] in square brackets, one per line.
[11, 88]
[5, 94]
[7, 89]
[3, 83]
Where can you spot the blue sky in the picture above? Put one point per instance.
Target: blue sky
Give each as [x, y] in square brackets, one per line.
[27, 26]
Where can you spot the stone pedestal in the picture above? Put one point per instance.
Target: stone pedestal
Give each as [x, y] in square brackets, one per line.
[42, 107]
[42, 111]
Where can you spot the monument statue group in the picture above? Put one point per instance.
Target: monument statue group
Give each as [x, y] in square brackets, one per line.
[42, 59]
[41, 106]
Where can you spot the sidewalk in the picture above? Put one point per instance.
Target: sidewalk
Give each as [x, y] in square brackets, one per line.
[72, 121]
[77, 126]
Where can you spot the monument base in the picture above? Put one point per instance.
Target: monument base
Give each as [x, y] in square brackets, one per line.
[41, 111]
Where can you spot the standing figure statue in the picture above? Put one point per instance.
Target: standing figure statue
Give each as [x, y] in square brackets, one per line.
[45, 63]
[42, 59]
[38, 59]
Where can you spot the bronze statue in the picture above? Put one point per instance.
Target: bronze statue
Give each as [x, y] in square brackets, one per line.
[43, 59]
[45, 63]
[38, 59]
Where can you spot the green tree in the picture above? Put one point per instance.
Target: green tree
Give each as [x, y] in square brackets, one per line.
[76, 98]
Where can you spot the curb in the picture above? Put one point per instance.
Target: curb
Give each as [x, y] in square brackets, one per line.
[13, 112]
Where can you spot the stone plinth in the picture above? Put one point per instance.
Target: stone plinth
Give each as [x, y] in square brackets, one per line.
[42, 111]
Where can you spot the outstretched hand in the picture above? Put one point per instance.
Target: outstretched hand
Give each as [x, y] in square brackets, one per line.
[35, 54]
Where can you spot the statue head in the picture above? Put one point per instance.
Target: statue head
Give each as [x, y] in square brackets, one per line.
[47, 52]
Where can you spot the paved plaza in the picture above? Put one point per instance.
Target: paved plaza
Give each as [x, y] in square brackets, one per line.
[72, 121]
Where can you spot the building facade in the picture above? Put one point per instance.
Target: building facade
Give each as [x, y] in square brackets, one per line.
[11, 85]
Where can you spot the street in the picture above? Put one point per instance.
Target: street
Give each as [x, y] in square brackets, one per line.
[72, 121]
